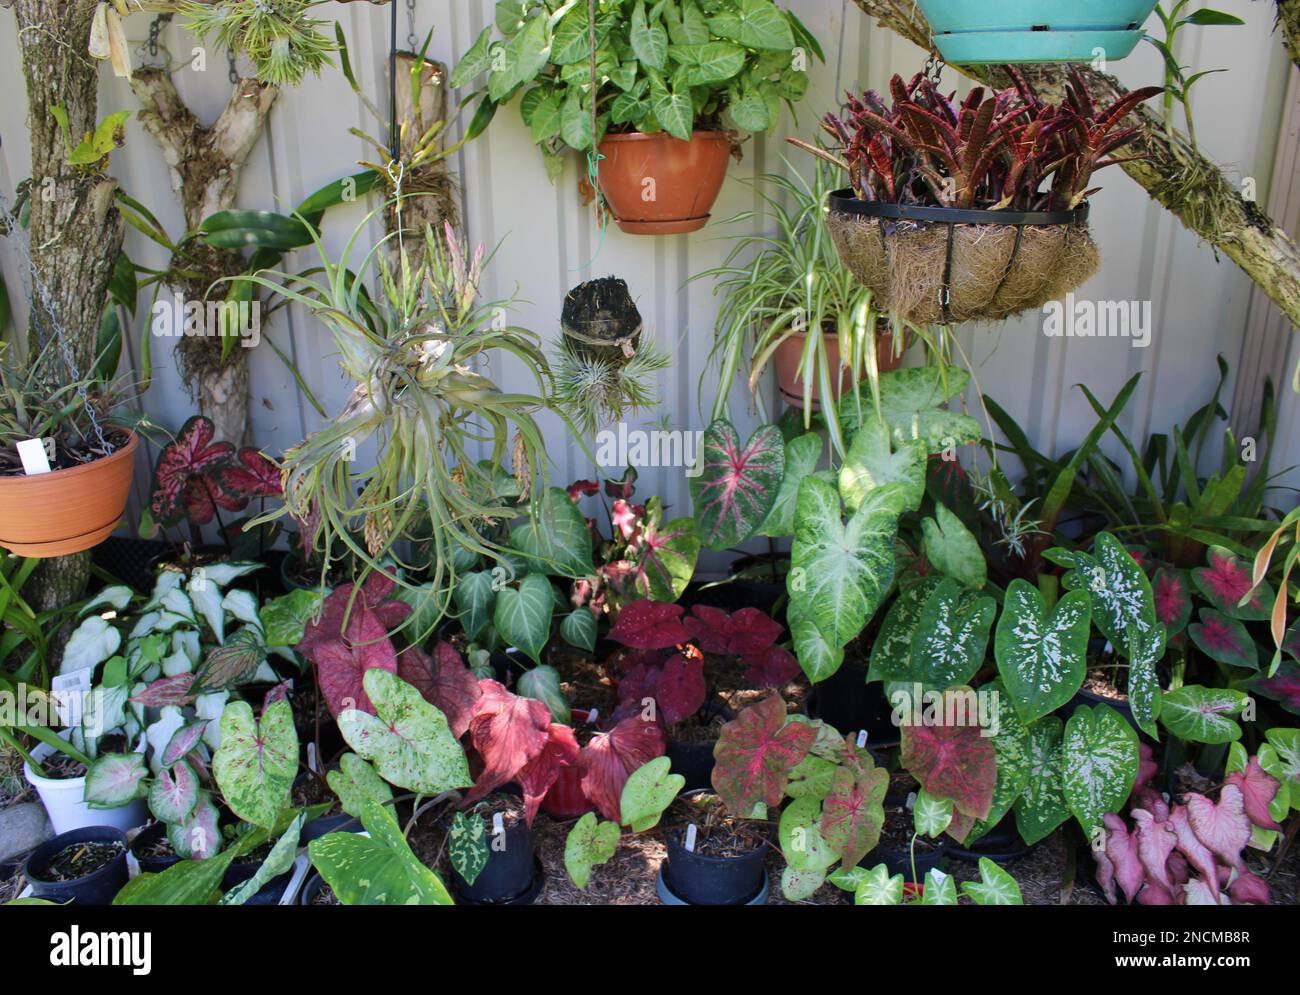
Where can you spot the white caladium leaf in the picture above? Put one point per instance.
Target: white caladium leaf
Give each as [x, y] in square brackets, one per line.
[277, 862]
[221, 574]
[995, 886]
[911, 403]
[170, 720]
[176, 602]
[1121, 594]
[177, 663]
[874, 886]
[198, 837]
[802, 454]
[871, 462]
[91, 643]
[1201, 714]
[1285, 766]
[951, 637]
[799, 886]
[117, 597]
[940, 888]
[257, 761]
[116, 779]
[146, 624]
[1014, 758]
[1041, 805]
[1145, 650]
[1042, 658]
[523, 617]
[951, 548]
[1100, 763]
[840, 572]
[207, 599]
[242, 605]
[891, 653]
[168, 580]
[209, 708]
[931, 816]
[174, 793]
[407, 739]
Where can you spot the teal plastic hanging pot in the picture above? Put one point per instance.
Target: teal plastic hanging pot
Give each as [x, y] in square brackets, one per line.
[978, 32]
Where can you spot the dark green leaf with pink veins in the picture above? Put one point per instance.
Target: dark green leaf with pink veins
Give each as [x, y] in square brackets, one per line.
[1226, 580]
[755, 754]
[1173, 599]
[951, 758]
[1224, 640]
[737, 483]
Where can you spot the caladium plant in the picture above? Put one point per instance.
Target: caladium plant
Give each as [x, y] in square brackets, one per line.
[737, 483]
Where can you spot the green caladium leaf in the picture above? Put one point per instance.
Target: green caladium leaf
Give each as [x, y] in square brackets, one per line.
[1285, 765]
[1224, 640]
[802, 454]
[277, 862]
[931, 816]
[1041, 806]
[812, 778]
[257, 761]
[649, 790]
[951, 637]
[737, 483]
[940, 888]
[911, 403]
[1099, 764]
[1201, 714]
[579, 628]
[818, 657]
[556, 541]
[840, 572]
[116, 779]
[1145, 650]
[891, 653]
[378, 869]
[871, 463]
[1014, 762]
[285, 618]
[356, 783]
[870, 887]
[590, 842]
[1042, 658]
[995, 886]
[523, 617]
[174, 793]
[1121, 594]
[231, 664]
[467, 845]
[951, 548]
[543, 684]
[800, 836]
[407, 739]
[475, 596]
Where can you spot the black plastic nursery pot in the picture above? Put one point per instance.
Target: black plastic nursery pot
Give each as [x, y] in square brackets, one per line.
[700, 879]
[146, 838]
[311, 890]
[1000, 844]
[694, 760]
[97, 887]
[941, 265]
[512, 875]
[270, 893]
[1085, 697]
[899, 861]
[322, 824]
[846, 702]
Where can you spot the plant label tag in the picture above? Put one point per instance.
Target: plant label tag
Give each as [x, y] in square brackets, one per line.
[69, 693]
[691, 832]
[592, 715]
[312, 761]
[862, 738]
[911, 800]
[35, 457]
[498, 824]
[939, 876]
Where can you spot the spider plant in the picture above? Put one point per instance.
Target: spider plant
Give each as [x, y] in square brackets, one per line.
[413, 349]
[789, 281]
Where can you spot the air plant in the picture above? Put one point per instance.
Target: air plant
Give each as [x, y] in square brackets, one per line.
[277, 35]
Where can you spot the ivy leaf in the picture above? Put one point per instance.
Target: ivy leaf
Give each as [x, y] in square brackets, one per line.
[1042, 660]
[649, 790]
[257, 761]
[523, 617]
[755, 754]
[953, 760]
[590, 842]
[995, 886]
[1224, 640]
[1201, 714]
[737, 484]
[870, 463]
[467, 845]
[1099, 762]
[951, 636]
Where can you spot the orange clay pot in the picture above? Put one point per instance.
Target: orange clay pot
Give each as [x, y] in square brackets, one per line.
[686, 179]
[786, 361]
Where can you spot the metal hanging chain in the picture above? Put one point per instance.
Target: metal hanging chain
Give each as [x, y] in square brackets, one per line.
[232, 72]
[594, 156]
[412, 39]
[148, 49]
[39, 289]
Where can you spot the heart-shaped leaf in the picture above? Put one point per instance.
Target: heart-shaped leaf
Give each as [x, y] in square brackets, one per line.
[198, 836]
[579, 628]
[1042, 659]
[951, 758]
[650, 625]
[754, 756]
[183, 741]
[590, 842]
[951, 636]
[1121, 594]
[667, 558]
[853, 812]
[799, 833]
[995, 886]
[257, 761]
[1259, 790]
[1041, 806]
[467, 845]
[536, 777]
[737, 484]
[508, 731]
[1222, 827]
[1100, 763]
[649, 790]
[116, 779]
[871, 463]
[911, 404]
[523, 616]
[443, 680]
[378, 869]
[475, 597]
[356, 783]
[802, 454]
[608, 760]
[891, 652]
[951, 548]
[1224, 640]
[940, 888]
[871, 887]
[931, 816]
[1227, 580]
[556, 541]
[1172, 599]
[543, 684]
[174, 793]
[1201, 714]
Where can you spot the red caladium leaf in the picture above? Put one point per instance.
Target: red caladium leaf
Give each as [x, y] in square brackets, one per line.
[649, 625]
[1225, 582]
[1283, 688]
[508, 731]
[1173, 599]
[202, 496]
[681, 689]
[772, 668]
[1258, 789]
[443, 680]
[537, 776]
[747, 632]
[166, 691]
[710, 627]
[251, 476]
[853, 813]
[640, 682]
[609, 759]
[192, 458]
[755, 754]
[1155, 842]
[954, 762]
[1250, 889]
[582, 488]
[1223, 828]
[1193, 850]
[1224, 640]
[622, 488]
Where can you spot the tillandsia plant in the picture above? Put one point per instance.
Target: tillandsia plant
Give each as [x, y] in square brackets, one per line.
[280, 36]
[412, 350]
[671, 66]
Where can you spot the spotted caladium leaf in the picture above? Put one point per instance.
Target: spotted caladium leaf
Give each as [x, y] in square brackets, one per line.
[754, 756]
[650, 625]
[853, 812]
[376, 869]
[1201, 714]
[1172, 598]
[356, 783]
[166, 691]
[1145, 650]
[1099, 764]
[737, 483]
[840, 571]
[1042, 657]
[747, 631]
[995, 886]
[467, 845]
[952, 759]
[891, 653]
[231, 664]
[174, 793]
[1224, 640]
[1227, 580]
[257, 761]
[407, 739]
[115, 779]
[649, 790]
[590, 842]
[1121, 594]
[183, 741]
[1014, 761]
[608, 760]
[667, 556]
[802, 844]
[951, 637]
[872, 462]
[186, 482]
[443, 680]
[198, 836]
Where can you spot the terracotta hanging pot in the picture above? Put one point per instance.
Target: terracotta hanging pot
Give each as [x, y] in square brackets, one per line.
[660, 185]
[66, 511]
[788, 353]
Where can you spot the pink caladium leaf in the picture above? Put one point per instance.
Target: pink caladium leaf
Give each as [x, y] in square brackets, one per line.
[681, 689]
[1155, 842]
[1173, 599]
[737, 484]
[174, 793]
[1198, 891]
[1222, 827]
[955, 762]
[1224, 640]
[609, 759]
[537, 776]
[443, 680]
[774, 667]
[278, 692]
[508, 731]
[1154, 894]
[650, 625]
[1147, 769]
[1121, 851]
[755, 754]
[1227, 580]
[166, 691]
[1105, 870]
[1250, 889]
[853, 813]
[251, 475]
[186, 481]
[183, 740]
[1258, 789]
[1197, 855]
[1284, 687]
[626, 519]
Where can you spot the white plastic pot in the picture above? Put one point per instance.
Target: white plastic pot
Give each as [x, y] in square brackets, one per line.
[64, 801]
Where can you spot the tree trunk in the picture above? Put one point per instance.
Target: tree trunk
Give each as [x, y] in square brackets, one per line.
[76, 230]
[223, 397]
[1194, 189]
[1288, 18]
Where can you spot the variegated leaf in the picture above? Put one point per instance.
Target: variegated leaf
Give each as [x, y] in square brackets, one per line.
[1042, 658]
[1100, 757]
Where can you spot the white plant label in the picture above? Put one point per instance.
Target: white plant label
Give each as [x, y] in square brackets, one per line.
[911, 800]
[691, 831]
[34, 456]
[862, 738]
[592, 715]
[498, 824]
[69, 691]
[312, 761]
